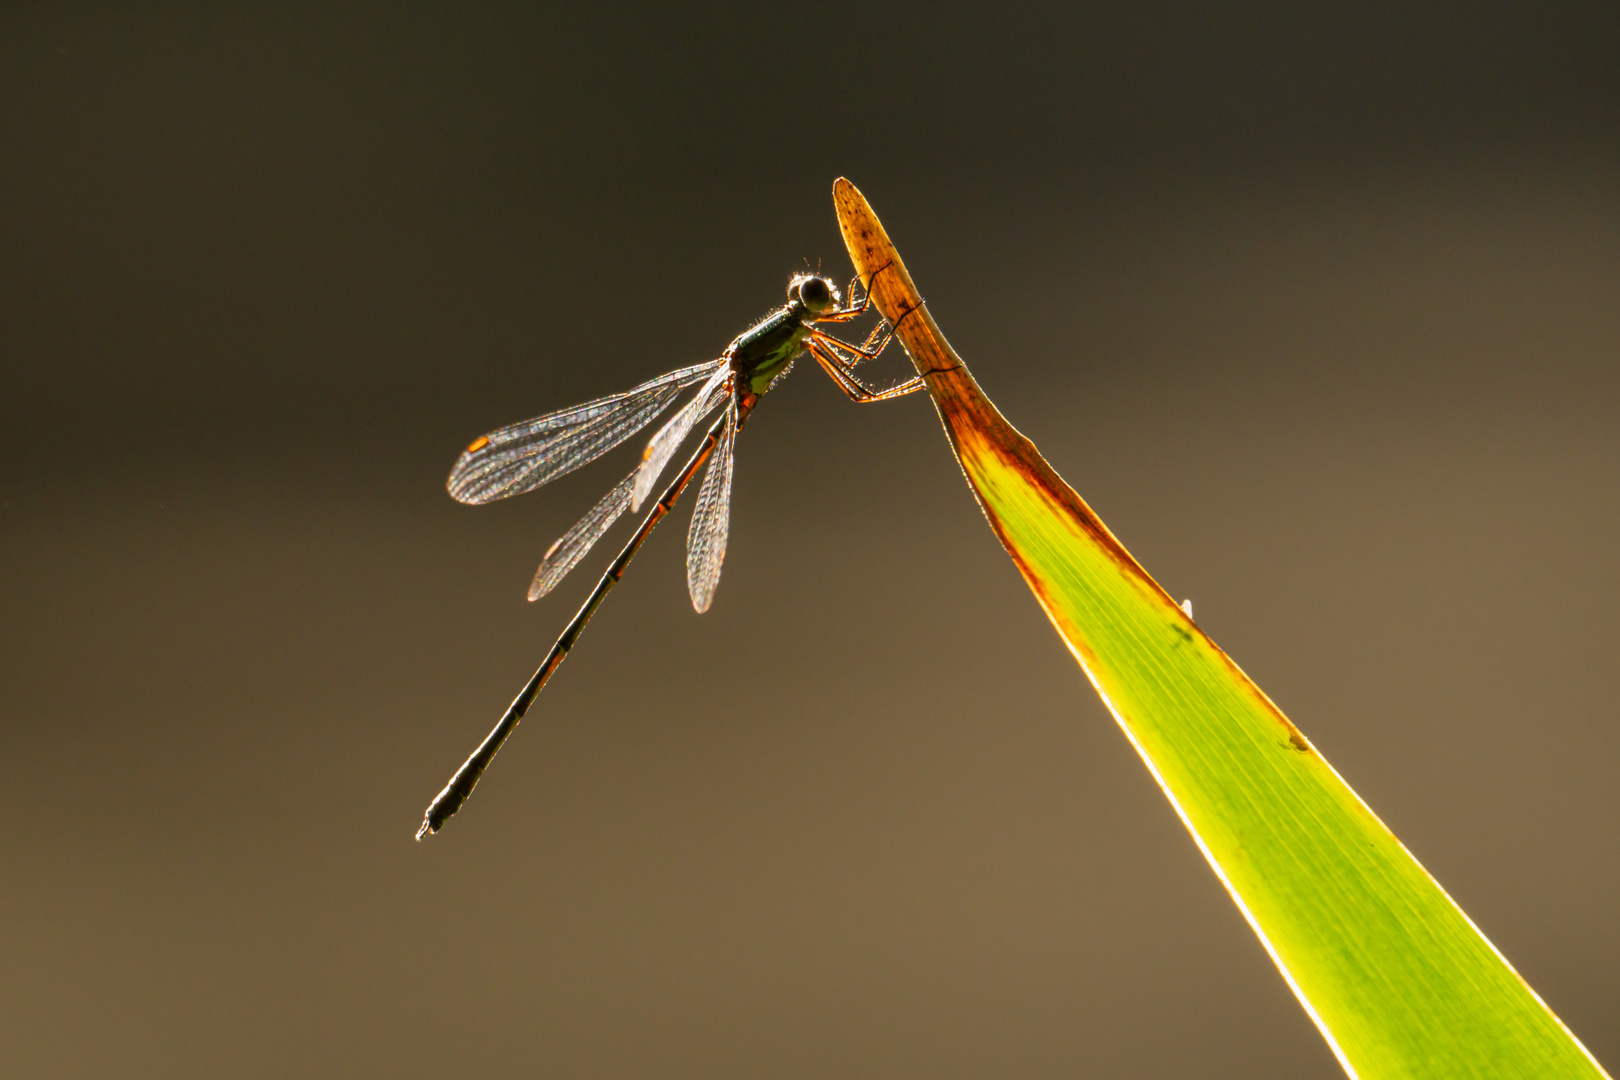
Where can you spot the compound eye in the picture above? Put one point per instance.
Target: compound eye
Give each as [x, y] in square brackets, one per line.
[815, 294]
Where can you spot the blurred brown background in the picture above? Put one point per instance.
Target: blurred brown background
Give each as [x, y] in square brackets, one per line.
[1317, 306]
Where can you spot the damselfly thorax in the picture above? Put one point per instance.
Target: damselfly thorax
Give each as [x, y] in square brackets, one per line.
[524, 456]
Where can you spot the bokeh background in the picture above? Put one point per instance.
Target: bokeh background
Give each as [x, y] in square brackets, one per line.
[1315, 304]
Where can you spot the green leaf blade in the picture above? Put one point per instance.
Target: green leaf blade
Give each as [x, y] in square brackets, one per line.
[1397, 978]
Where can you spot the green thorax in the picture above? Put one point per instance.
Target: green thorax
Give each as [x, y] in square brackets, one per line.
[763, 352]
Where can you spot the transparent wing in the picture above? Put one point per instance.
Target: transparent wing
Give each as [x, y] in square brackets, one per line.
[672, 434]
[574, 544]
[523, 456]
[706, 539]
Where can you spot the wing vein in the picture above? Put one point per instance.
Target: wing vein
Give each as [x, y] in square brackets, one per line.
[663, 445]
[706, 538]
[577, 542]
[521, 457]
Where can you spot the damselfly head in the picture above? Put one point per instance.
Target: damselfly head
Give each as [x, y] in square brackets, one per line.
[816, 293]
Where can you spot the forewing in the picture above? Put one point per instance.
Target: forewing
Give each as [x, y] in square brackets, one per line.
[672, 434]
[574, 544]
[521, 457]
[706, 538]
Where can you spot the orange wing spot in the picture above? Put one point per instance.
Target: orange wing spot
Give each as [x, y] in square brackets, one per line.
[478, 444]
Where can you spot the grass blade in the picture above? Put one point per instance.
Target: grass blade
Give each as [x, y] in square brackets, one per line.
[1391, 970]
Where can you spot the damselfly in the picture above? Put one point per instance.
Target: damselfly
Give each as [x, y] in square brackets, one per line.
[524, 456]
